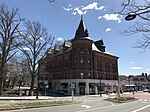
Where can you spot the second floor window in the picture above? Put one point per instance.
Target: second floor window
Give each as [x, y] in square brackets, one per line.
[82, 75]
[89, 75]
[107, 67]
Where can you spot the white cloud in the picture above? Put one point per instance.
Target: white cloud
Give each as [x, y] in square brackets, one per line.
[83, 9]
[112, 17]
[74, 13]
[67, 9]
[60, 39]
[93, 6]
[100, 17]
[80, 12]
[108, 29]
[136, 68]
[130, 62]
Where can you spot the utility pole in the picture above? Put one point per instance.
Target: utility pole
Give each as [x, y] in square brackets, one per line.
[100, 85]
[38, 84]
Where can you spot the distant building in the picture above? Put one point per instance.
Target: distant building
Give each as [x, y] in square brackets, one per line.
[134, 82]
[82, 65]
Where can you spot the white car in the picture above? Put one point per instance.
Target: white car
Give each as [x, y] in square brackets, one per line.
[146, 90]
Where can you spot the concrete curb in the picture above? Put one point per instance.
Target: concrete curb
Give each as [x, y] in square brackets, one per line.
[24, 99]
[116, 101]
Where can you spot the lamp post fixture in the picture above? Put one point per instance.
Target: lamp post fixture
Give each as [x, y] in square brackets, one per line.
[38, 82]
[100, 85]
[132, 16]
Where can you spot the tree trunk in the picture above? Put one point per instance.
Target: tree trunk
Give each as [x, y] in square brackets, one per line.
[32, 85]
[8, 84]
[1, 80]
[4, 83]
[1, 85]
[13, 82]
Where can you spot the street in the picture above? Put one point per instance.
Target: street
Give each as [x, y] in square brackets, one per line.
[97, 104]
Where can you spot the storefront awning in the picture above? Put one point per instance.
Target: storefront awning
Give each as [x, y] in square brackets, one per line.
[64, 84]
[130, 85]
[138, 84]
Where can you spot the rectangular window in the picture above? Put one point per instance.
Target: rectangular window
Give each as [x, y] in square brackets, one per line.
[100, 66]
[89, 75]
[107, 67]
[81, 50]
[107, 76]
[82, 75]
[81, 61]
[88, 61]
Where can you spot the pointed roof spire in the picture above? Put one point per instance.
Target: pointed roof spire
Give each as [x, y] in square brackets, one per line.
[82, 31]
[81, 17]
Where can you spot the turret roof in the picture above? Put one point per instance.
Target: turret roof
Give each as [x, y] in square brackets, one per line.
[82, 31]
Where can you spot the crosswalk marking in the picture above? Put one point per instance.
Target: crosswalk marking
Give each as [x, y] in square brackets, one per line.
[85, 106]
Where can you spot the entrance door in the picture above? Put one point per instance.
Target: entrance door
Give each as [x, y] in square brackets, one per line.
[82, 90]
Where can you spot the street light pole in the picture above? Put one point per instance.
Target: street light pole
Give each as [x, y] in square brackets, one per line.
[129, 83]
[100, 85]
[38, 84]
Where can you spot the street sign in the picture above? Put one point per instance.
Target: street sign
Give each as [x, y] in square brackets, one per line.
[46, 82]
[72, 86]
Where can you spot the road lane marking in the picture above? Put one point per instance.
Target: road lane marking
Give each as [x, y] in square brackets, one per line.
[137, 110]
[94, 109]
[86, 106]
[112, 104]
[91, 109]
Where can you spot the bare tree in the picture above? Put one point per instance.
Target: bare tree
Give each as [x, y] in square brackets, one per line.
[34, 46]
[26, 77]
[14, 72]
[9, 25]
[142, 12]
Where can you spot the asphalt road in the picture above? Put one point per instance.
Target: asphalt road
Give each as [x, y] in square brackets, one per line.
[96, 104]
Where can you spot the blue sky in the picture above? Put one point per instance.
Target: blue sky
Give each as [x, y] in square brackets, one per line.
[61, 18]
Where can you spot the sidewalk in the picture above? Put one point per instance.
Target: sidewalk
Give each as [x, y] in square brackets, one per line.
[27, 98]
[50, 97]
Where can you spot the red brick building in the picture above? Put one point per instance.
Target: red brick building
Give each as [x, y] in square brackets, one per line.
[82, 63]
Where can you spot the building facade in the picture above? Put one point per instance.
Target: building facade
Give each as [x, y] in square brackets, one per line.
[81, 65]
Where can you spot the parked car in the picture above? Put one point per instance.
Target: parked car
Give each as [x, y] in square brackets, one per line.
[62, 92]
[146, 90]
